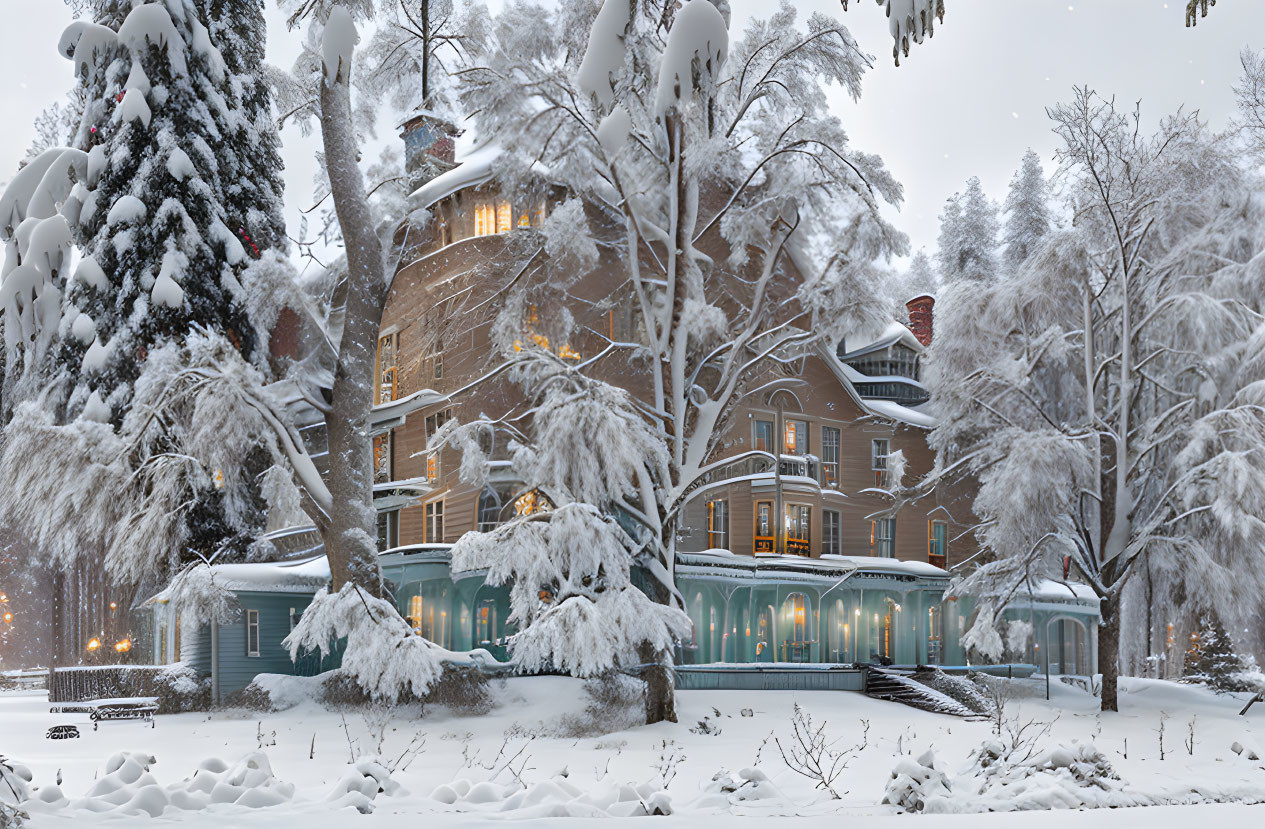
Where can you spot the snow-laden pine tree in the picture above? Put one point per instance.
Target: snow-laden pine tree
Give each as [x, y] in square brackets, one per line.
[1107, 394]
[569, 564]
[720, 181]
[1214, 660]
[968, 235]
[1027, 211]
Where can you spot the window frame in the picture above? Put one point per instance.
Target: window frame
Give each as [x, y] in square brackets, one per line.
[799, 428]
[943, 553]
[252, 626]
[879, 541]
[755, 435]
[718, 524]
[830, 468]
[831, 532]
[434, 522]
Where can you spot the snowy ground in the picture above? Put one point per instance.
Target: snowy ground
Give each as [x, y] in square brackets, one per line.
[590, 778]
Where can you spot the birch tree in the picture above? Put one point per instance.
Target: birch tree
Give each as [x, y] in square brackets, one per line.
[1108, 394]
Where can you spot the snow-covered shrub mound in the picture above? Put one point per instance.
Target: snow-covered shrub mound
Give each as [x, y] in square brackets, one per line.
[748, 792]
[126, 787]
[362, 784]
[1065, 777]
[554, 798]
[284, 691]
[958, 688]
[180, 688]
[917, 785]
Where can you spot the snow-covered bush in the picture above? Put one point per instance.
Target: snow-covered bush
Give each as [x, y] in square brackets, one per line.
[917, 785]
[1214, 661]
[360, 786]
[180, 688]
[15, 788]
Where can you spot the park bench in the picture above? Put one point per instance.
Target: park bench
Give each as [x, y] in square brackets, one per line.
[121, 708]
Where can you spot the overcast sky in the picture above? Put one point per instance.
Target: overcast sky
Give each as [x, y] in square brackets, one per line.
[968, 102]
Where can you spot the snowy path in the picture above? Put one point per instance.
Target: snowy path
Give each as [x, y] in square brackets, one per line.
[457, 748]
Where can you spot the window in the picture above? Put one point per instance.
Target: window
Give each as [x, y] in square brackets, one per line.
[763, 436]
[934, 624]
[504, 217]
[435, 421]
[798, 521]
[718, 525]
[879, 450]
[252, 633]
[883, 538]
[491, 506]
[415, 613]
[295, 616]
[830, 456]
[524, 219]
[387, 373]
[388, 530]
[435, 522]
[485, 622]
[382, 457]
[831, 542]
[795, 437]
[764, 527]
[484, 220]
[937, 542]
[432, 466]
[439, 366]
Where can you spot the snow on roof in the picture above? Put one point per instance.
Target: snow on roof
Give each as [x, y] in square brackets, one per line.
[1049, 589]
[888, 409]
[868, 341]
[389, 415]
[894, 410]
[306, 576]
[472, 170]
[827, 565]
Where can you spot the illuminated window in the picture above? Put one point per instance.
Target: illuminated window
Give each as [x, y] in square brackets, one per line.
[382, 457]
[531, 502]
[524, 220]
[432, 467]
[504, 217]
[795, 434]
[415, 613]
[435, 522]
[798, 521]
[484, 220]
[388, 348]
[764, 527]
[718, 525]
[937, 542]
[485, 622]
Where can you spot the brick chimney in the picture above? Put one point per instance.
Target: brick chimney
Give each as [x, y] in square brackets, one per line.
[920, 317]
[429, 147]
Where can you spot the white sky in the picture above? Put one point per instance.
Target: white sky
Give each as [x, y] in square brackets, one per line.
[968, 102]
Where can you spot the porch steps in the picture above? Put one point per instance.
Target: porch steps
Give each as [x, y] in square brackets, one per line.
[897, 685]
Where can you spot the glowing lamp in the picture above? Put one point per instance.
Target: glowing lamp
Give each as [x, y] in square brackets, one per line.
[8, 618]
[123, 646]
[94, 643]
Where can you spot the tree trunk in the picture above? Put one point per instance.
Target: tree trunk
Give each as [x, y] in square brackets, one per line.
[1109, 653]
[660, 685]
[349, 536]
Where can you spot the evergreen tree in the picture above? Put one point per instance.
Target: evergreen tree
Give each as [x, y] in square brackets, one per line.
[172, 179]
[968, 235]
[1027, 211]
[250, 153]
[1213, 660]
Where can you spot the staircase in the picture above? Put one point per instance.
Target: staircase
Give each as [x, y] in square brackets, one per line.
[897, 685]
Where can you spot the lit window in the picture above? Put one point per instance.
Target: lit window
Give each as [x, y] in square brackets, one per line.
[415, 613]
[524, 220]
[796, 437]
[531, 502]
[718, 525]
[798, 519]
[432, 467]
[937, 542]
[382, 457]
[764, 527]
[879, 450]
[252, 633]
[484, 220]
[504, 216]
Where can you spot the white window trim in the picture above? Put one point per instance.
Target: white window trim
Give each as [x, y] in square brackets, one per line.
[252, 621]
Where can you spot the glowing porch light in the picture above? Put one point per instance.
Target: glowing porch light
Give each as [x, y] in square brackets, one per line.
[123, 646]
[93, 644]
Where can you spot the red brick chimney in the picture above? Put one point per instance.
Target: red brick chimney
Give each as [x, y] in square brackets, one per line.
[920, 317]
[429, 146]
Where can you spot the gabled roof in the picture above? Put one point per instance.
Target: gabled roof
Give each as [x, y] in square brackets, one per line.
[895, 332]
